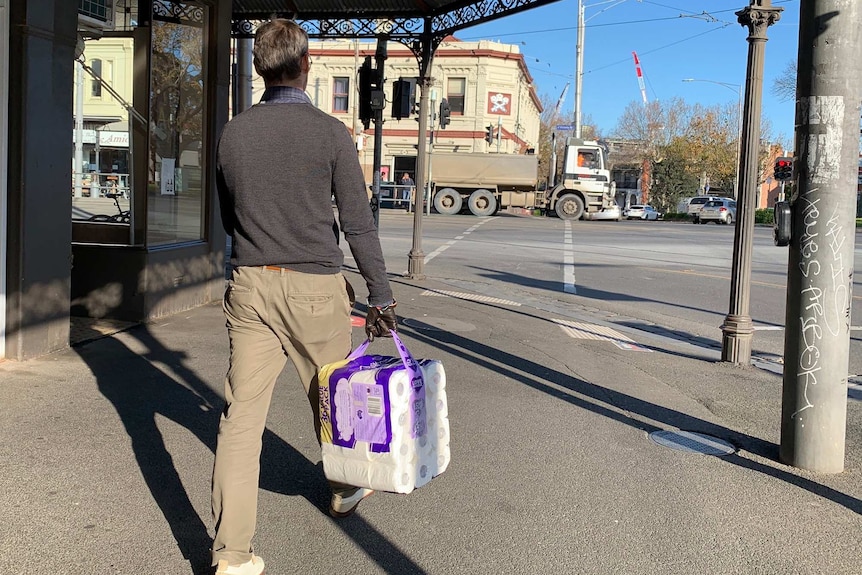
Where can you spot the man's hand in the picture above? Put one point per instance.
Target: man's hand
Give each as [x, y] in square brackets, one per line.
[380, 320]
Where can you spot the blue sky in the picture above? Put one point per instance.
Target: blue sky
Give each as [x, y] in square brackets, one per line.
[674, 39]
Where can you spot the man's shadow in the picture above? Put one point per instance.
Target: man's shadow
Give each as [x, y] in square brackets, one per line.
[139, 391]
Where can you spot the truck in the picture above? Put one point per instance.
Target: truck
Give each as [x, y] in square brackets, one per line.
[585, 186]
[483, 183]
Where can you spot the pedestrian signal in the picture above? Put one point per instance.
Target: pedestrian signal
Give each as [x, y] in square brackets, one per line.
[489, 134]
[783, 169]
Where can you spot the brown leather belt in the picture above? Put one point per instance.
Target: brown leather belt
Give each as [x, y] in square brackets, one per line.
[275, 268]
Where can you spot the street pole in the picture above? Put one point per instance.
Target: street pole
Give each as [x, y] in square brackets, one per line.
[579, 68]
[820, 263]
[426, 191]
[245, 69]
[738, 329]
[79, 129]
[416, 258]
[379, 63]
[738, 141]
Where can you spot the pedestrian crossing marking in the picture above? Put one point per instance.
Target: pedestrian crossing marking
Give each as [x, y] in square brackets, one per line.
[579, 330]
[470, 297]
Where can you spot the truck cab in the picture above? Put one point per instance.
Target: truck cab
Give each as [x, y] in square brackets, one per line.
[585, 185]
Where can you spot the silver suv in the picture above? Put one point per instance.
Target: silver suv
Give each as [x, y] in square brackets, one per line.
[696, 204]
[719, 211]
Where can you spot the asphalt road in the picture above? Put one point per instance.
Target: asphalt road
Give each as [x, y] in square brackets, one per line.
[656, 276]
[107, 448]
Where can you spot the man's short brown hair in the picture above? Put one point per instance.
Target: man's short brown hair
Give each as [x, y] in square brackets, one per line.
[279, 46]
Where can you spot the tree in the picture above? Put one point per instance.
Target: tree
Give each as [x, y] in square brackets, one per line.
[673, 178]
[784, 85]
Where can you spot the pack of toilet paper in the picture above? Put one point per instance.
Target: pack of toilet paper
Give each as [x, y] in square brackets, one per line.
[384, 420]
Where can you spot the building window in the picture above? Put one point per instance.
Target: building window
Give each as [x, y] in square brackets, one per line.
[96, 88]
[455, 95]
[340, 94]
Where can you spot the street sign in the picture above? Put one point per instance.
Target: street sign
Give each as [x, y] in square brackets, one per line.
[564, 127]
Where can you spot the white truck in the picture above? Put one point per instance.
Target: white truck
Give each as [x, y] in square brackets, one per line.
[585, 185]
[484, 183]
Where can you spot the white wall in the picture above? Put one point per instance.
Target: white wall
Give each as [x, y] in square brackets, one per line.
[4, 154]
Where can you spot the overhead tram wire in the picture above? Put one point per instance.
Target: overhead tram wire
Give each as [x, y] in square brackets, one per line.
[645, 21]
[627, 60]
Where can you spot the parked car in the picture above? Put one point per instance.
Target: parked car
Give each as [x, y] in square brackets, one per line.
[612, 213]
[639, 212]
[721, 211]
[696, 204]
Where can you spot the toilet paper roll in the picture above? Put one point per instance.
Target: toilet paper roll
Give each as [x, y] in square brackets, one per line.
[435, 376]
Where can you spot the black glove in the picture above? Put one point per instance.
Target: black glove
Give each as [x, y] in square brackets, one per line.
[380, 320]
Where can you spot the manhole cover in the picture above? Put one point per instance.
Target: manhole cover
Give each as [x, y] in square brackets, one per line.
[692, 442]
[439, 324]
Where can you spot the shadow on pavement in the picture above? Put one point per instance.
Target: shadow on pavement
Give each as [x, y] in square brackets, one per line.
[590, 293]
[539, 376]
[139, 391]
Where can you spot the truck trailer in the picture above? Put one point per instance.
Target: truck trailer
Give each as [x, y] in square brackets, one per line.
[483, 183]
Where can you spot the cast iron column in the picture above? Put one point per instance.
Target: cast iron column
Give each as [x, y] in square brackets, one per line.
[738, 328]
[820, 263]
[416, 260]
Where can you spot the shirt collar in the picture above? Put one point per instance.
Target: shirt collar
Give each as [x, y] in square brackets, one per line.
[284, 95]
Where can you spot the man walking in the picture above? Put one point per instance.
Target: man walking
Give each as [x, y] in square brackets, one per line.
[279, 164]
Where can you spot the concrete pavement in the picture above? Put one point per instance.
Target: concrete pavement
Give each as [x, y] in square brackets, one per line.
[106, 456]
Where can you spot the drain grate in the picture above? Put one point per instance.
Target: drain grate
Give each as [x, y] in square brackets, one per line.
[692, 442]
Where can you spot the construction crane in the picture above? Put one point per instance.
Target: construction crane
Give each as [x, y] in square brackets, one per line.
[640, 77]
[561, 100]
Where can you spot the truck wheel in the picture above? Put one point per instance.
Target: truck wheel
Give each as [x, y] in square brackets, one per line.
[482, 203]
[447, 201]
[570, 207]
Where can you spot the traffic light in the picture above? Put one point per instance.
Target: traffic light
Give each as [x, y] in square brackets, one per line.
[366, 81]
[402, 98]
[445, 112]
[489, 134]
[783, 169]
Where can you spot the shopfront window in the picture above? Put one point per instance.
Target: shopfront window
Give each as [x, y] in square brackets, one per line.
[176, 154]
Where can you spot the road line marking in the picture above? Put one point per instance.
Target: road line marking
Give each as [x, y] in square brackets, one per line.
[580, 330]
[470, 297]
[768, 328]
[450, 243]
[568, 261]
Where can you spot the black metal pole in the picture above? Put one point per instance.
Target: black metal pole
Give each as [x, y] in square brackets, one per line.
[377, 105]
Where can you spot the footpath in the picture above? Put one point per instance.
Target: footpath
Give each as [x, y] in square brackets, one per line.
[106, 456]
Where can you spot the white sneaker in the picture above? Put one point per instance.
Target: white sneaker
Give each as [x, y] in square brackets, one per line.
[344, 506]
[252, 567]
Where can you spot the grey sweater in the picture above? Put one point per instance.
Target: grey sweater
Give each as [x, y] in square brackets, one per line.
[279, 164]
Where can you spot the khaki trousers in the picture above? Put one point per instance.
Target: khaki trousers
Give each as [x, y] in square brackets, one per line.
[271, 315]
